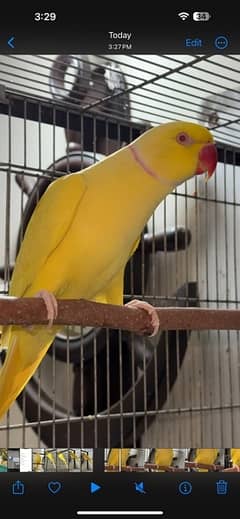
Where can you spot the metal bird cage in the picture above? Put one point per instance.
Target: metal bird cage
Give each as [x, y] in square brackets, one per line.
[107, 388]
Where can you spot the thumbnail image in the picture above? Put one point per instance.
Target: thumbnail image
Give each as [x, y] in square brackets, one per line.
[39, 460]
[144, 460]
[13, 460]
[3, 460]
[62, 460]
[119, 460]
[25, 460]
[171, 460]
[19, 460]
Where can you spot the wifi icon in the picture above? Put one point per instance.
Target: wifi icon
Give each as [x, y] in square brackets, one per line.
[183, 15]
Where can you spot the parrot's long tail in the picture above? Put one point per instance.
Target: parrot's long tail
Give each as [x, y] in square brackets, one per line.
[25, 352]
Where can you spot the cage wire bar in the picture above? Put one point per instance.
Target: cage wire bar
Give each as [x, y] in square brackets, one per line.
[98, 387]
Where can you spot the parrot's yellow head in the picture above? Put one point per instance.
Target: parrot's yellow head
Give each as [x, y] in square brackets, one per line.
[176, 151]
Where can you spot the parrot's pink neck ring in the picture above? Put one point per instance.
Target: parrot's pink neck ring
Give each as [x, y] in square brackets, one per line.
[145, 166]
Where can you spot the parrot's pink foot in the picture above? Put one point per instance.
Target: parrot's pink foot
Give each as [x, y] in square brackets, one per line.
[51, 305]
[155, 321]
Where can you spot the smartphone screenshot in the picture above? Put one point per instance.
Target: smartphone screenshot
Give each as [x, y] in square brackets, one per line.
[119, 264]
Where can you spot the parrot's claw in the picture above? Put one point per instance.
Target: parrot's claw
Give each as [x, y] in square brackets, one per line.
[51, 305]
[155, 321]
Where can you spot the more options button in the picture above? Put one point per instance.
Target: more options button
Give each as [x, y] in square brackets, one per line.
[221, 42]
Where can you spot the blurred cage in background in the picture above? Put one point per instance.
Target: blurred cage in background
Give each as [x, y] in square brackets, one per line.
[98, 388]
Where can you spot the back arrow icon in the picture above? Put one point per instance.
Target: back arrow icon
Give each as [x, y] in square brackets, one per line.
[11, 42]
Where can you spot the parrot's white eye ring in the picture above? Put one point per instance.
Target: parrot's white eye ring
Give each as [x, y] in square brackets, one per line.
[184, 139]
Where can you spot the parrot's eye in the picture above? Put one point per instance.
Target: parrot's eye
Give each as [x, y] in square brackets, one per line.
[183, 138]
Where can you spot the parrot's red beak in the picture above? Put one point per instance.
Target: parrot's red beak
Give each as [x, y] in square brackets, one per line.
[207, 160]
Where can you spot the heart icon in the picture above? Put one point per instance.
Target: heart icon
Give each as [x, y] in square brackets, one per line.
[54, 486]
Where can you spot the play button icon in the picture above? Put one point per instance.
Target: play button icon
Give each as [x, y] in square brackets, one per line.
[94, 487]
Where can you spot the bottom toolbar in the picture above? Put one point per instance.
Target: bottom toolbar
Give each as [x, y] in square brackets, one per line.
[123, 494]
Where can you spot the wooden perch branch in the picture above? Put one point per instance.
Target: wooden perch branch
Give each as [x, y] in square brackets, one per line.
[27, 311]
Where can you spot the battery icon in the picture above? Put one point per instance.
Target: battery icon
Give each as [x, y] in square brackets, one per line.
[201, 16]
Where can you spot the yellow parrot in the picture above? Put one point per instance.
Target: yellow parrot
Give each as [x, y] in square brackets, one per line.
[85, 456]
[163, 458]
[50, 457]
[206, 457]
[37, 461]
[85, 228]
[73, 455]
[118, 457]
[62, 458]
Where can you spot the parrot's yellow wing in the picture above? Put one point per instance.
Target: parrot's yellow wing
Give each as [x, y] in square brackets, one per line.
[113, 292]
[48, 226]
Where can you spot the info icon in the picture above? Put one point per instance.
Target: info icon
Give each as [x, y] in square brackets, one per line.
[185, 488]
